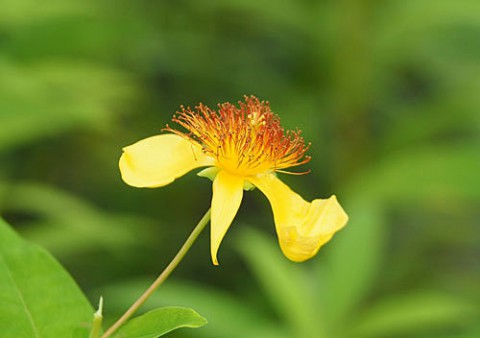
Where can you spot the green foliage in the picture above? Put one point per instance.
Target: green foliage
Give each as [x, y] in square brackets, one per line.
[39, 299]
[158, 322]
[405, 313]
[74, 225]
[386, 91]
[229, 315]
[67, 95]
[290, 293]
[415, 312]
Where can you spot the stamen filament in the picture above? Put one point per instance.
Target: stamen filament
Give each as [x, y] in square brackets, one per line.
[244, 140]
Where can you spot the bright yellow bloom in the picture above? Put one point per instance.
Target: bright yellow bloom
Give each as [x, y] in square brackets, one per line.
[242, 147]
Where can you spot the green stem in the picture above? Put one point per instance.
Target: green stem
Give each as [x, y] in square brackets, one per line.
[97, 321]
[163, 276]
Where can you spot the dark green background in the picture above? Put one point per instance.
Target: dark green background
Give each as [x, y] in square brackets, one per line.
[387, 92]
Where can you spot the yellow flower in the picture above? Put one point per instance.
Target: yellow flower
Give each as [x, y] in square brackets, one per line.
[242, 147]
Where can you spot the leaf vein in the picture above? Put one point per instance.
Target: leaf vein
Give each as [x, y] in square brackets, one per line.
[22, 299]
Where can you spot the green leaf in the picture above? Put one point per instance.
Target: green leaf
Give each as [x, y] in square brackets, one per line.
[410, 312]
[38, 297]
[67, 225]
[416, 177]
[70, 95]
[229, 316]
[421, 174]
[19, 13]
[284, 282]
[407, 25]
[353, 259]
[157, 322]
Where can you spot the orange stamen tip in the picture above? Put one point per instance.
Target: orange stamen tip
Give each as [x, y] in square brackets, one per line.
[247, 139]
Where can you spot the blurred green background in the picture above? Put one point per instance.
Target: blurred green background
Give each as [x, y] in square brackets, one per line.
[388, 92]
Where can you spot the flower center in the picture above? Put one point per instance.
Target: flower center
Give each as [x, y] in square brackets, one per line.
[245, 140]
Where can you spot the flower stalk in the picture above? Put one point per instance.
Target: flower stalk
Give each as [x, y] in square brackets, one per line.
[162, 277]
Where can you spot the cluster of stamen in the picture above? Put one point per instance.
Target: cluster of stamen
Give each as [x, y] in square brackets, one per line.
[244, 140]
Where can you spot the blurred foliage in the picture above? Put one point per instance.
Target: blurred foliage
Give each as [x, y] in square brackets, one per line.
[386, 91]
[40, 299]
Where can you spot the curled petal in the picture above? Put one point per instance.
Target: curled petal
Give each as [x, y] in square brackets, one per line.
[227, 196]
[302, 227]
[158, 160]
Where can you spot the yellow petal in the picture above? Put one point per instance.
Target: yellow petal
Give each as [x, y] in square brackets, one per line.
[158, 160]
[302, 227]
[227, 196]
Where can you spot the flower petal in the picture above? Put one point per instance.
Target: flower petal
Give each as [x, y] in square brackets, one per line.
[302, 227]
[227, 196]
[158, 160]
